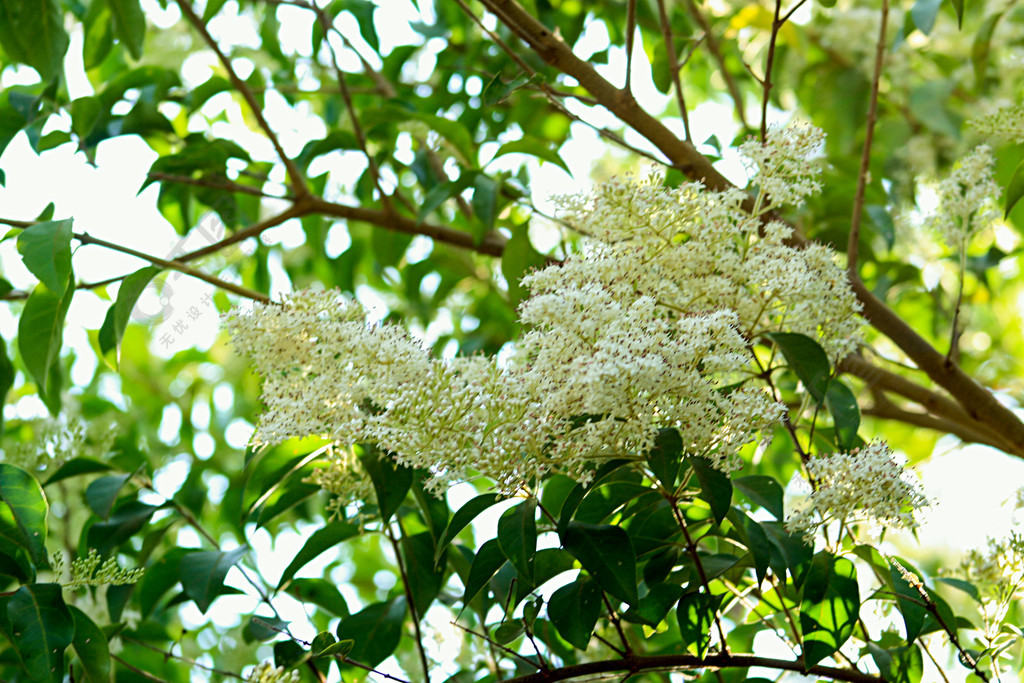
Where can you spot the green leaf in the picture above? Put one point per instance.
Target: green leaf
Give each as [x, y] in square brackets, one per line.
[127, 519]
[807, 359]
[335, 140]
[696, 615]
[120, 312]
[102, 493]
[453, 131]
[574, 610]
[77, 467]
[25, 506]
[342, 648]
[830, 606]
[763, 490]
[883, 223]
[160, 577]
[260, 628]
[923, 13]
[40, 338]
[32, 32]
[425, 577]
[320, 592]
[534, 147]
[666, 456]
[44, 627]
[463, 517]
[391, 481]
[45, 249]
[485, 199]
[322, 540]
[898, 664]
[909, 600]
[6, 379]
[437, 196]
[958, 5]
[793, 554]
[607, 554]
[842, 404]
[579, 491]
[715, 485]
[92, 648]
[517, 537]
[375, 631]
[486, 563]
[960, 584]
[1014, 189]
[129, 24]
[202, 574]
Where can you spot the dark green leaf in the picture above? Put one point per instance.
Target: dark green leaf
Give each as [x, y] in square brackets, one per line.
[463, 517]
[666, 457]
[909, 600]
[322, 540]
[960, 584]
[425, 577]
[883, 223]
[655, 605]
[320, 592]
[517, 537]
[763, 490]
[898, 664]
[830, 606]
[45, 249]
[92, 648]
[807, 359]
[696, 614]
[263, 628]
[75, 468]
[202, 574]
[606, 552]
[485, 199]
[160, 577]
[842, 404]
[127, 519]
[129, 24]
[25, 507]
[579, 492]
[715, 486]
[44, 627]
[6, 379]
[958, 5]
[486, 563]
[391, 481]
[375, 630]
[574, 609]
[102, 493]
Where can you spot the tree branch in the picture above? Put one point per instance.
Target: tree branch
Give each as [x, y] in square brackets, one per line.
[680, 662]
[295, 176]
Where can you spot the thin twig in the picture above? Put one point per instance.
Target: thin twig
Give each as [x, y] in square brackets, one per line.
[673, 65]
[410, 598]
[295, 176]
[716, 53]
[766, 83]
[178, 266]
[869, 136]
[630, 39]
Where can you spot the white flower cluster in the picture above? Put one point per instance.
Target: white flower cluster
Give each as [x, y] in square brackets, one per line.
[866, 484]
[87, 571]
[967, 198]
[785, 167]
[266, 672]
[1006, 123]
[648, 327]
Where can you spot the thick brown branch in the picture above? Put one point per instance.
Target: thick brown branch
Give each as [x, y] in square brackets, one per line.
[887, 410]
[634, 665]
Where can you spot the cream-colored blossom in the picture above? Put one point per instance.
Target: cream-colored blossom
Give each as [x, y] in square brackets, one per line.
[1006, 123]
[967, 198]
[89, 571]
[998, 573]
[266, 672]
[785, 167]
[866, 484]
